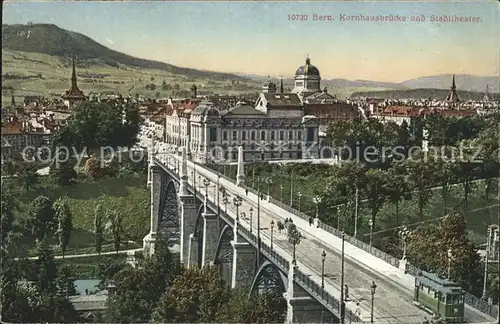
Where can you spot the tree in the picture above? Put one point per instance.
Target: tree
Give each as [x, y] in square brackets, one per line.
[375, 191]
[41, 217]
[65, 223]
[421, 176]
[8, 206]
[428, 245]
[98, 228]
[262, 308]
[95, 125]
[397, 187]
[195, 296]
[66, 280]
[116, 228]
[46, 268]
[139, 289]
[62, 171]
[294, 237]
[467, 168]
[28, 178]
[447, 173]
[93, 168]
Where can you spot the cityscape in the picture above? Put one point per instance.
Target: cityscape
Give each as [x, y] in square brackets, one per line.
[250, 162]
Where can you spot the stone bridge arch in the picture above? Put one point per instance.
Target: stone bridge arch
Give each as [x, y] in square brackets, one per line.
[269, 280]
[224, 253]
[169, 218]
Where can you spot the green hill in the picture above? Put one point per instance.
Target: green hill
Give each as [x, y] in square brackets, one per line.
[52, 40]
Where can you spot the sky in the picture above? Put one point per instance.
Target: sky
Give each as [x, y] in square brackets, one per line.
[262, 38]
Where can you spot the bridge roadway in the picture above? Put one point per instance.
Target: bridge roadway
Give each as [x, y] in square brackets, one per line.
[393, 302]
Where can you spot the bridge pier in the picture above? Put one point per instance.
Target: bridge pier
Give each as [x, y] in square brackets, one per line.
[156, 187]
[301, 307]
[193, 251]
[210, 238]
[188, 220]
[243, 264]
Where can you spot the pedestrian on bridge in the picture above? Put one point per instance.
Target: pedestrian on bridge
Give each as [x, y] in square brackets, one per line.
[310, 221]
[346, 293]
[246, 191]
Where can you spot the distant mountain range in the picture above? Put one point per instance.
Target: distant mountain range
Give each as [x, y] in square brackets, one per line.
[52, 40]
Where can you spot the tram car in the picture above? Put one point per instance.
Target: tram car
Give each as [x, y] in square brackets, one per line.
[440, 297]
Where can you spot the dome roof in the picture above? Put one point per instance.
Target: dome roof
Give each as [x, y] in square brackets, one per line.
[206, 108]
[307, 69]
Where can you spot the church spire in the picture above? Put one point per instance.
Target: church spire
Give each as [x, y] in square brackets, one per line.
[453, 86]
[73, 75]
[281, 86]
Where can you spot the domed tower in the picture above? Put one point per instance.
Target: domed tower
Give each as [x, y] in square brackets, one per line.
[307, 79]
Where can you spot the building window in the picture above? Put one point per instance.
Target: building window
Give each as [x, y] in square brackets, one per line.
[244, 135]
[282, 135]
[299, 84]
[224, 135]
[290, 135]
[299, 135]
[213, 134]
[310, 134]
[235, 135]
[272, 135]
[252, 135]
[263, 135]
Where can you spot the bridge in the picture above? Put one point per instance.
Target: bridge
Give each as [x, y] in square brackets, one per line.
[216, 220]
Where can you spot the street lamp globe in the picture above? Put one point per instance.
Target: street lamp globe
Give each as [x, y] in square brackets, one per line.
[272, 223]
[373, 288]
[323, 256]
[206, 182]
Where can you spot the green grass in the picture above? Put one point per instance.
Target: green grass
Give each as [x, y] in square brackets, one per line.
[128, 196]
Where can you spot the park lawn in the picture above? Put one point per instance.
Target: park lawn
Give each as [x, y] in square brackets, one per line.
[128, 196]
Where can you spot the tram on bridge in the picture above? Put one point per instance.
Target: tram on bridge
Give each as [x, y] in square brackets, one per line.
[440, 297]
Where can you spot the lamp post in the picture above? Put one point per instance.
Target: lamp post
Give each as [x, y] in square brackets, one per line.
[316, 201]
[342, 299]
[251, 219]
[237, 204]
[450, 255]
[300, 195]
[323, 258]
[281, 193]
[269, 181]
[291, 189]
[404, 234]
[373, 288]
[272, 231]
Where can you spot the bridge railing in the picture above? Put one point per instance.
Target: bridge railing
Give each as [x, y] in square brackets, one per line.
[269, 253]
[360, 244]
[471, 300]
[315, 290]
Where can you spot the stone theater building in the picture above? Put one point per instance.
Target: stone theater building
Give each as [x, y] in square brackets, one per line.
[278, 126]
